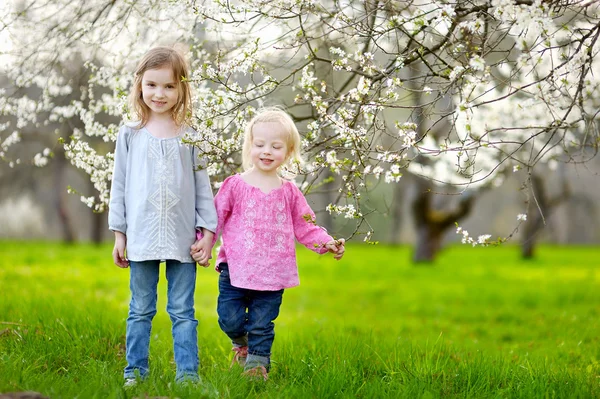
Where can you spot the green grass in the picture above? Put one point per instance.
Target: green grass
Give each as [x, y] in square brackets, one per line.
[481, 323]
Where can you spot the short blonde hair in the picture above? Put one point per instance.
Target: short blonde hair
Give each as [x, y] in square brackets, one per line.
[156, 58]
[293, 139]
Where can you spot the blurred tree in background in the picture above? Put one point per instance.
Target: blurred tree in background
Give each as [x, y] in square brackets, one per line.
[458, 95]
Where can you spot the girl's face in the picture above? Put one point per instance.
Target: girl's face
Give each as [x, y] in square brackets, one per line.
[269, 146]
[159, 90]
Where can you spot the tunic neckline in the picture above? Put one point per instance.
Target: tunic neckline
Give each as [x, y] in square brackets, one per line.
[283, 182]
[162, 138]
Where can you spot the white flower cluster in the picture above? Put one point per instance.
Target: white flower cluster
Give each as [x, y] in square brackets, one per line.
[98, 166]
[348, 211]
[41, 159]
[341, 63]
[12, 139]
[407, 131]
[482, 240]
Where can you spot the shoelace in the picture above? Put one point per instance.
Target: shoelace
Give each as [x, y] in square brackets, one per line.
[241, 352]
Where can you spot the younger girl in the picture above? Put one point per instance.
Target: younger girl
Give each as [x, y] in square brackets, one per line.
[160, 197]
[260, 214]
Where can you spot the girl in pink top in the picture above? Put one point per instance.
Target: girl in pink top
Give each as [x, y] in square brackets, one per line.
[260, 215]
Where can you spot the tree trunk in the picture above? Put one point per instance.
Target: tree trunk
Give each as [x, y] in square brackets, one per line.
[536, 221]
[541, 207]
[60, 196]
[396, 212]
[97, 225]
[431, 223]
[429, 243]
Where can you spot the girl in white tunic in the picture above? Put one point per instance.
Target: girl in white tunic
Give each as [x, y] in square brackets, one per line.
[160, 197]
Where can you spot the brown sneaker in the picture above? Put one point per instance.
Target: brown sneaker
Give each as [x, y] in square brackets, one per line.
[241, 353]
[257, 373]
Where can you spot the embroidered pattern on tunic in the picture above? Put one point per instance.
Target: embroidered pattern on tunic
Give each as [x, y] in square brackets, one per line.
[258, 232]
[249, 220]
[280, 218]
[163, 153]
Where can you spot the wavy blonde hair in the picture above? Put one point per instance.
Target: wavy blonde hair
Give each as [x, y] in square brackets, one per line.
[293, 159]
[157, 58]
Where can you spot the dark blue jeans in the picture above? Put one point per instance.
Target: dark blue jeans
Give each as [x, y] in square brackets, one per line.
[247, 316]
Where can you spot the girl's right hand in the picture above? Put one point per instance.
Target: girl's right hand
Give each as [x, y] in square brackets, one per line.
[200, 257]
[118, 252]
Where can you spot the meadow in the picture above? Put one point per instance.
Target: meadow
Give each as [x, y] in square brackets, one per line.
[479, 323]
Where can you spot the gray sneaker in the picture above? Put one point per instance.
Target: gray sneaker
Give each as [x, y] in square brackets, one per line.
[130, 382]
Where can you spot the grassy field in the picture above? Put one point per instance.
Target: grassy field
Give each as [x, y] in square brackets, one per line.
[480, 323]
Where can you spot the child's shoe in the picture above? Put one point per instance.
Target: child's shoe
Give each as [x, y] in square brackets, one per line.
[130, 382]
[257, 373]
[241, 353]
[189, 382]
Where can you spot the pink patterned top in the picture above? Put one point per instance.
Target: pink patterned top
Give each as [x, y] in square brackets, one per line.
[258, 232]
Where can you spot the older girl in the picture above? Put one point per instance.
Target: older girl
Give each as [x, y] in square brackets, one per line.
[160, 197]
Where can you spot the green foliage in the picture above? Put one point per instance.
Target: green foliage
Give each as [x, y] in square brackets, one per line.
[481, 323]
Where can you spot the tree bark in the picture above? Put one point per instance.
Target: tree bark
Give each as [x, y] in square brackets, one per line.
[97, 227]
[97, 224]
[542, 207]
[431, 223]
[396, 212]
[60, 196]
[429, 243]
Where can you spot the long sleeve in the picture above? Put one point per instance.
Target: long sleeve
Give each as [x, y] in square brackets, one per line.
[206, 214]
[223, 204]
[116, 211]
[306, 231]
[223, 209]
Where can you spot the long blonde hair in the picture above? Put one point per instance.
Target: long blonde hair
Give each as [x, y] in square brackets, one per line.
[156, 58]
[293, 140]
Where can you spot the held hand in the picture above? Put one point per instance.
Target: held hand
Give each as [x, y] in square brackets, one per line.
[195, 248]
[337, 248]
[118, 252]
[200, 257]
[201, 251]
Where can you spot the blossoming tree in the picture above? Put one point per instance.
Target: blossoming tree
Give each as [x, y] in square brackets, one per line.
[460, 93]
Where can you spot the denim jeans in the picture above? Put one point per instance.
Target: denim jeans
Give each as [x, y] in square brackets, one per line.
[247, 316]
[181, 278]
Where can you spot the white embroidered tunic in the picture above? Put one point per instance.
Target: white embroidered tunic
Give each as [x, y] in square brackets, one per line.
[160, 196]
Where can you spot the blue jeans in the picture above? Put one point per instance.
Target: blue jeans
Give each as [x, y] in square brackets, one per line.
[246, 316]
[181, 278]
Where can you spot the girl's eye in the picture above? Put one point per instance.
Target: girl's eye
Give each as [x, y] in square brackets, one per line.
[259, 145]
